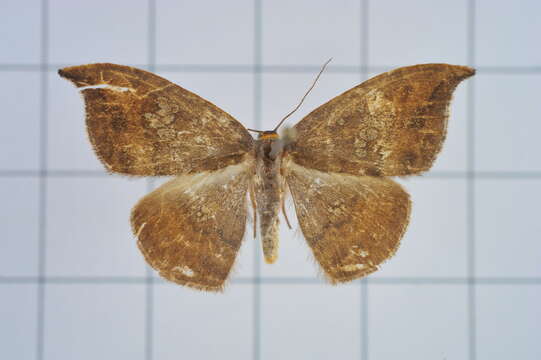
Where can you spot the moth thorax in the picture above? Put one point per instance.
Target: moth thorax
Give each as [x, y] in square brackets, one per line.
[288, 135]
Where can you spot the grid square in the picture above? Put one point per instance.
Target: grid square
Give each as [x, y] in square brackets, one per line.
[281, 92]
[231, 92]
[88, 227]
[508, 325]
[295, 258]
[435, 243]
[98, 31]
[18, 321]
[310, 322]
[203, 325]
[294, 32]
[20, 227]
[94, 321]
[504, 31]
[417, 31]
[19, 139]
[418, 322]
[507, 114]
[67, 129]
[507, 227]
[205, 32]
[20, 31]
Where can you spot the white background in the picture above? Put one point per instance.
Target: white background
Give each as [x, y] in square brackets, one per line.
[466, 282]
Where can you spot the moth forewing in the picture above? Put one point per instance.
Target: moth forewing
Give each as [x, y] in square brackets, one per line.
[391, 125]
[152, 126]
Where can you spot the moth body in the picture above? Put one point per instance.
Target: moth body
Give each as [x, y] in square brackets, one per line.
[268, 190]
[337, 163]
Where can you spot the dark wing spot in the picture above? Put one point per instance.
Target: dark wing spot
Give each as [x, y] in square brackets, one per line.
[373, 171]
[409, 158]
[440, 92]
[403, 93]
[125, 160]
[119, 122]
[416, 123]
[434, 108]
[430, 140]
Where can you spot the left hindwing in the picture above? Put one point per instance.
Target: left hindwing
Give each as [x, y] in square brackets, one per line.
[190, 229]
[393, 124]
[352, 223]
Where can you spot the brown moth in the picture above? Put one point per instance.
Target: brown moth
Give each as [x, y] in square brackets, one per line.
[335, 163]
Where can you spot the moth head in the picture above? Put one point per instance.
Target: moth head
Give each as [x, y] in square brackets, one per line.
[271, 135]
[280, 143]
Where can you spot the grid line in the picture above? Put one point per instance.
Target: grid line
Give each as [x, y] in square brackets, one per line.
[127, 280]
[273, 68]
[42, 212]
[149, 278]
[258, 88]
[364, 71]
[450, 174]
[470, 186]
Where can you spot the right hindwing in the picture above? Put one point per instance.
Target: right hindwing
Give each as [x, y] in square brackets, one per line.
[351, 223]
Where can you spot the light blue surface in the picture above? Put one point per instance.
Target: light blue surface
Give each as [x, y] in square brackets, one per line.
[466, 282]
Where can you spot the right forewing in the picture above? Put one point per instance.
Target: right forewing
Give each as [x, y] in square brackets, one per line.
[352, 223]
[393, 124]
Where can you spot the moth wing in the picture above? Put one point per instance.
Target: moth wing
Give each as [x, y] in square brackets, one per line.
[393, 124]
[142, 124]
[190, 229]
[352, 223]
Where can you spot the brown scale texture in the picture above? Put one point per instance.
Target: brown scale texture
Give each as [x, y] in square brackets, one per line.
[142, 124]
[190, 229]
[334, 162]
[352, 223]
[391, 125]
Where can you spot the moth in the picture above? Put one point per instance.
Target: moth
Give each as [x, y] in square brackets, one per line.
[335, 163]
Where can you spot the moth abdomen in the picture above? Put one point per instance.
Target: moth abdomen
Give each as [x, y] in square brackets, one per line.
[268, 191]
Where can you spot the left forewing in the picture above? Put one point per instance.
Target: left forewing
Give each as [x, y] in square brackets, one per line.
[352, 223]
[190, 229]
[142, 124]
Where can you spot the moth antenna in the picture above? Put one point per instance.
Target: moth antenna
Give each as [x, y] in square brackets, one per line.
[305, 95]
[256, 131]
